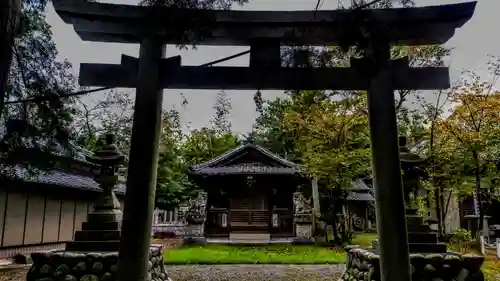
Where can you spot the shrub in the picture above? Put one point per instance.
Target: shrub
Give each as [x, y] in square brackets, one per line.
[462, 238]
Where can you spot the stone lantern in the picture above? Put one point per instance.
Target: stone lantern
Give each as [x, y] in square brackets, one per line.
[94, 253]
[196, 216]
[421, 238]
[101, 231]
[411, 164]
[429, 259]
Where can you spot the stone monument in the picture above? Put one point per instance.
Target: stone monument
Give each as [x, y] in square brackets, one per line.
[303, 219]
[196, 217]
[93, 255]
[429, 259]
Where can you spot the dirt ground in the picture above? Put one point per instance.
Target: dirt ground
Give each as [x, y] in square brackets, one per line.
[226, 273]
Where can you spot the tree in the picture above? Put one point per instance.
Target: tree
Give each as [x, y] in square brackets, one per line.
[112, 114]
[332, 139]
[37, 79]
[179, 150]
[472, 129]
[222, 106]
[172, 184]
[269, 130]
[9, 20]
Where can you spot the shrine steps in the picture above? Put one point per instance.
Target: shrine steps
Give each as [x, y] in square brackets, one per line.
[250, 239]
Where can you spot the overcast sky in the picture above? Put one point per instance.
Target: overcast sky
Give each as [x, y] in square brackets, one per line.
[471, 45]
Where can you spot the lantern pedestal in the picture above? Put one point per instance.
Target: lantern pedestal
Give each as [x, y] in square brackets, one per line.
[303, 229]
[102, 230]
[195, 229]
[421, 238]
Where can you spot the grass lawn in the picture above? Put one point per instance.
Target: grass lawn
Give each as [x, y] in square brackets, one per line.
[285, 254]
[270, 254]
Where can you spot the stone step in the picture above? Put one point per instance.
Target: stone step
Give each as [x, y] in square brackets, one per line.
[419, 228]
[414, 220]
[100, 217]
[427, 248]
[101, 226]
[93, 246]
[249, 237]
[97, 235]
[422, 237]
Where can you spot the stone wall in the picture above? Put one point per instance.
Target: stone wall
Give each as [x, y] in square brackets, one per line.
[363, 265]
[179, 229]
[88, 266]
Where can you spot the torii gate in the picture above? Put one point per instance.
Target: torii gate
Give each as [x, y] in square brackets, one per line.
[264, 32]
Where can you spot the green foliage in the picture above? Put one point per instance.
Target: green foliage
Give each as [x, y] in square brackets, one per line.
[269, 129]
[205, 144]
[461, 239]
[420, 203]
[461, 235]
[36, 74]
[172, 184]
[179, 150]
[114, 114]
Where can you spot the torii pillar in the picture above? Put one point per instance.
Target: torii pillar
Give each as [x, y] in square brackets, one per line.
[136, 225]
[390, 210]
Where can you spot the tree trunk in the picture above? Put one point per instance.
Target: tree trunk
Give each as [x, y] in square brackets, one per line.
[437, 192]
[335, 232]
[439, 211]
[479, 196]
[9, 18]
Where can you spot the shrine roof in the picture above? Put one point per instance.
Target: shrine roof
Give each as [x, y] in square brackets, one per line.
[353, 196]
[55, 178]
[231, 163]
[359, 185]
[130, 24]
[76, 173]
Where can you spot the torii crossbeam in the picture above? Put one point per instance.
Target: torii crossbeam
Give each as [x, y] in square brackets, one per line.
[264, 32]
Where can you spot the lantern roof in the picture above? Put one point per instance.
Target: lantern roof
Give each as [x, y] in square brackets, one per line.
[405, 155]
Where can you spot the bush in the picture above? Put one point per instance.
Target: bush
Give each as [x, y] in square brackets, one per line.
[461, 238]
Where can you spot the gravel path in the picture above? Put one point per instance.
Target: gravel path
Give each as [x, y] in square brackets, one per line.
[225, 272]
[255, 272]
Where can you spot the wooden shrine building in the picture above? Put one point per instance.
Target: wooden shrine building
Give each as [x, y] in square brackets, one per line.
[250, 191]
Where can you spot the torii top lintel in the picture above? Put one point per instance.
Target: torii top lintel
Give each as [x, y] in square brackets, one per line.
[130, 24]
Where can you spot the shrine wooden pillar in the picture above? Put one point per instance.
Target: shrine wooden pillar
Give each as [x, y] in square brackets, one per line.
[141, 179]
[390, 211]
